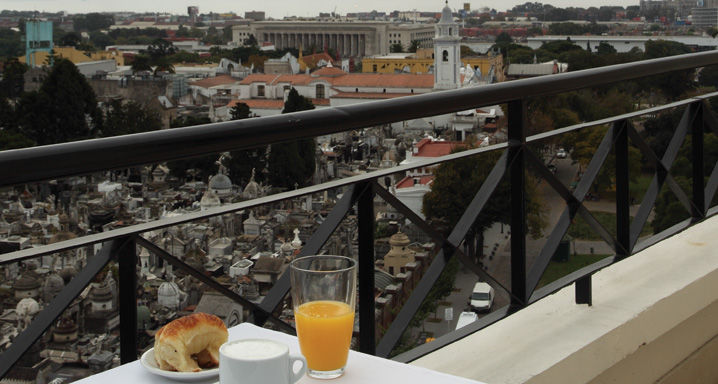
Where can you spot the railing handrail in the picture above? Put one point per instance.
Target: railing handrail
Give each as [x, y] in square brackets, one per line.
[83, 157]
[33, 252]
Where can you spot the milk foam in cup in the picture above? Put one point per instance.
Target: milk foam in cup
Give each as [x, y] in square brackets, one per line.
[258, 361]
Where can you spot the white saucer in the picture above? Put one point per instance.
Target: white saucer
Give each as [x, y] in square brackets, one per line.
[149, 363]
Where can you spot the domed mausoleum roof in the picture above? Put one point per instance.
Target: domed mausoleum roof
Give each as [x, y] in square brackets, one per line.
[220, 182]
[399, 239]
[26, 283]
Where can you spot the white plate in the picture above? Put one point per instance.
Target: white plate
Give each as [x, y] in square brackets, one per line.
[148, 361]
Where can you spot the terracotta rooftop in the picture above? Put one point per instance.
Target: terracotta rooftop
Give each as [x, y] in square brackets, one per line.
[429, 148]
[384, 80]
[373, 80]
[312, 60]
[259, 78]
[215, 81]
[259, 103]
[329, 72]
[370, 95]
[407, 181]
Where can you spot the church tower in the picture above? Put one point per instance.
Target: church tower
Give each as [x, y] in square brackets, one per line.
[447, 52]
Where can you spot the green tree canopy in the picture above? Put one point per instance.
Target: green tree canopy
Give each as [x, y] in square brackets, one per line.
[454, 186]
[396, 47]
[504, 38]
[243, 162]
[93, 22]
[13, 79]
[292, 163]
[124, 118]
[64, 109]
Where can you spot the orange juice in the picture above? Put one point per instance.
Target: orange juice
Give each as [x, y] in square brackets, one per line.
[324, 329]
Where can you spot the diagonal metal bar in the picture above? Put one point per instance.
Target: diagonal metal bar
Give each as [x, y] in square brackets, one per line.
[517, 125]
[314, 244]
[436, 236]
[662, 174]
[210, 282]
[47, 316]
[407, 312]
[574, 205]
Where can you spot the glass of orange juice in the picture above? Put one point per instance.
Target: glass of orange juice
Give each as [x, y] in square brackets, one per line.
[324, 297]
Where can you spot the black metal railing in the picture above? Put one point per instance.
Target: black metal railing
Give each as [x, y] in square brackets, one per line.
[79, 158]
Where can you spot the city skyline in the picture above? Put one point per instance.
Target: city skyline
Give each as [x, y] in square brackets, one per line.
[281, 8]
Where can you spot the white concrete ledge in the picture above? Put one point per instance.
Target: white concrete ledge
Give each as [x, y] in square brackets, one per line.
[667, 292]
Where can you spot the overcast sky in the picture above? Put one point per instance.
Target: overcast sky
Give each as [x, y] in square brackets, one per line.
[279, 8]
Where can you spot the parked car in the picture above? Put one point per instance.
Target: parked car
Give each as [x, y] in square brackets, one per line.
[482, 297]
[561, 153]
[466, 318]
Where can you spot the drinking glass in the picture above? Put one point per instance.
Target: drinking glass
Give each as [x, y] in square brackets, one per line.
[324, 297]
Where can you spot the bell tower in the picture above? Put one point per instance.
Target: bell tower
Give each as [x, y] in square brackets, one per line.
[447, 52]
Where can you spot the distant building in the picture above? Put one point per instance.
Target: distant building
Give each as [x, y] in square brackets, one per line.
[254, 15]
[347, 39]
[705, 17]
[38, 38]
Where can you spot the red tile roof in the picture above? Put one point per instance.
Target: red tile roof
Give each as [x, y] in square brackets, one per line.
[259, 103]
[312, 60]
[259, 78]
[214, 81]
[320, 101]
[408, 181]
[370, 95]
[429, 148]
[329, 71]
[384, 80]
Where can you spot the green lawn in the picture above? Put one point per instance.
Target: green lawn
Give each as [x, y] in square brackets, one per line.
[580, 230]
[556, 270]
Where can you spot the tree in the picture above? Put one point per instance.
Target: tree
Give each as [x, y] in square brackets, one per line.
[70, 39]
[127, 118]
[414, 46]
[141, 63]
[671, 84]
[454, 186]
[13, 79]
[504, 38]
[605, 48]
[64, 109]
[242, 163]
[293, 163]
[11, 44]
[93, 22]
[160, 48]
[396, 47]
[240, 111]
[251, 41]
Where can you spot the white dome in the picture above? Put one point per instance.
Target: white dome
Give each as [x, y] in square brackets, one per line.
[220, 182]
[27, 306]
[168, 289]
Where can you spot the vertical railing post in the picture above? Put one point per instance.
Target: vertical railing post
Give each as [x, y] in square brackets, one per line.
[517, 170]
[623, 199]
[699, 203]
[367, 319]
[127, 259]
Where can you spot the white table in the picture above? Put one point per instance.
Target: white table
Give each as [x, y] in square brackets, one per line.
[361, 368]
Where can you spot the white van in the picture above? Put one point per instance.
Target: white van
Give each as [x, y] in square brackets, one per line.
[482, 297]
[466, 318]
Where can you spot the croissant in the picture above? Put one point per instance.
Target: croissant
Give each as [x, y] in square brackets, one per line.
[190, 342]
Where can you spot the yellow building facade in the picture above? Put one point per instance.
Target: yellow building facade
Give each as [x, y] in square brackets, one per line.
[421, 64]
[77, 56]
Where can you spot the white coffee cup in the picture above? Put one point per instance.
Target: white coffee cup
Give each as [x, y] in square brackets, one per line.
[258, 361]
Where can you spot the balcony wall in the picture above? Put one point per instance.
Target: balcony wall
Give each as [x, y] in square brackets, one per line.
[654, 319]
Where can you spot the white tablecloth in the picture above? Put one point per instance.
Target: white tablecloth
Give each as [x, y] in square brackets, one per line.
[361, 368]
